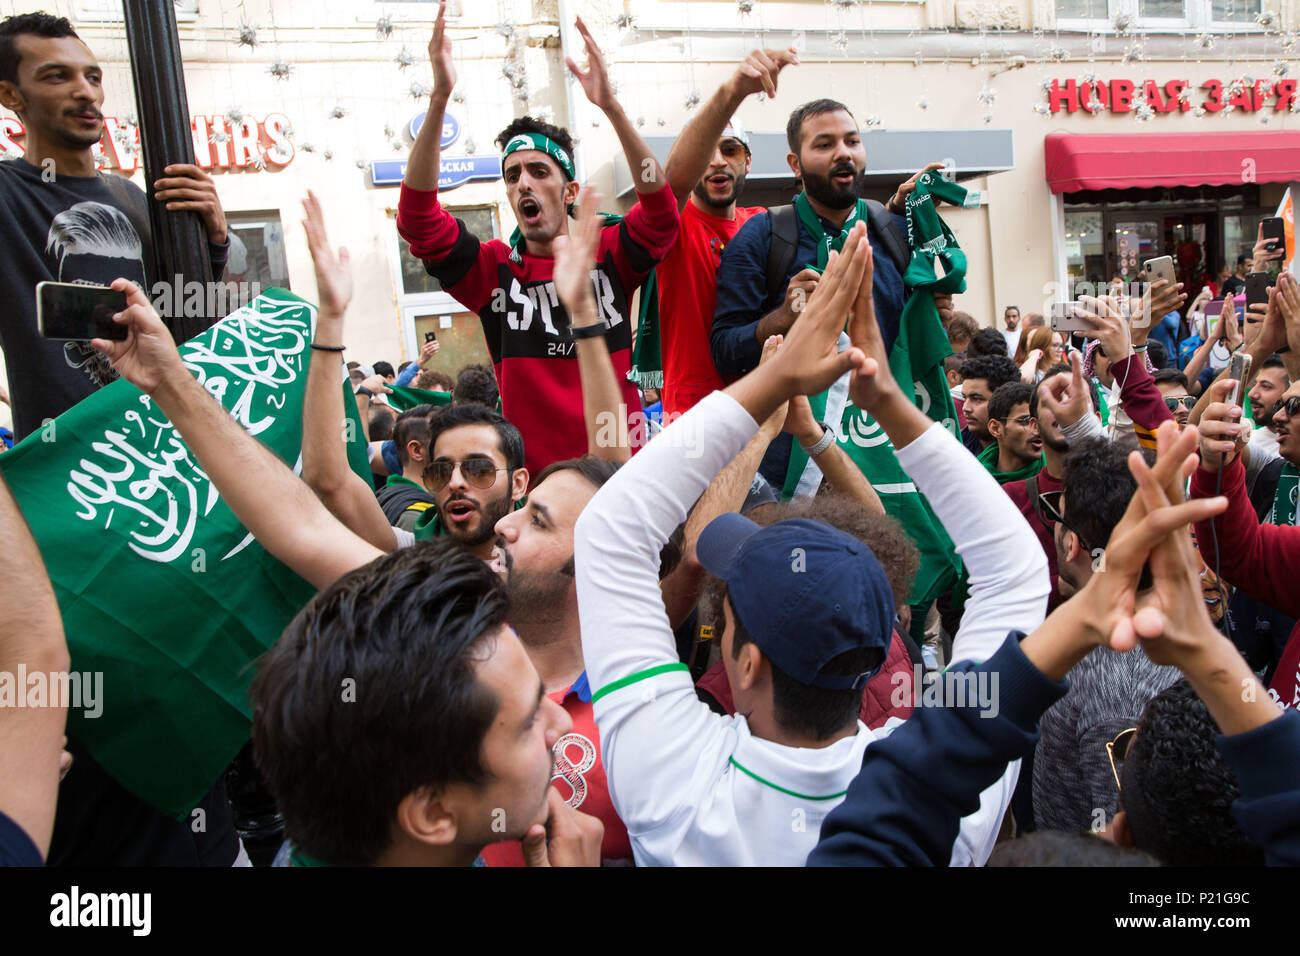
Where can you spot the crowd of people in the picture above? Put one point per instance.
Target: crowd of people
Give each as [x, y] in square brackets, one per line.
[1054, 628]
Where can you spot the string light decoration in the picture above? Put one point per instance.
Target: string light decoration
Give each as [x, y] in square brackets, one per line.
[384, 27]
[247, 36]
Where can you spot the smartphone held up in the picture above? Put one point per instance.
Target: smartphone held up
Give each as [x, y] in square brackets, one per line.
[70, 311]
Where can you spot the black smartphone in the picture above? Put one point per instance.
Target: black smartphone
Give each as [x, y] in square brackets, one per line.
[430, 336]
[1257, 284]
[66, 310]
[1274, 232]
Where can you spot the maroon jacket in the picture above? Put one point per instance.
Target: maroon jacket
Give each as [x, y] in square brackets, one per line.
[1261, 559]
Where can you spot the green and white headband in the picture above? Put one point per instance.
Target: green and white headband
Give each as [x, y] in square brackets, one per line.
[544, 144]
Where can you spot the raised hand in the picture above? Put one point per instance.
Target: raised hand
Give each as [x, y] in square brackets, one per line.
[898, 201]
[595, 80]
[444, 69]
[575, 255]
[759, 72]
[428, 350]
[1067, 399]
[1285, 299]
[1172, 621]
[333, 273]
[1221, 434]
[868, 388]
[1109, 325]
[147, 357]
[809, 360]
[776, 421]
[1109, 600]
[1160, 298]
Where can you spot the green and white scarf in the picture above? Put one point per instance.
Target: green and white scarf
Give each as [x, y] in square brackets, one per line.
[1284, 497]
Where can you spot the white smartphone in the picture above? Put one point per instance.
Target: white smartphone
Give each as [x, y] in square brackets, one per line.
[1239, 371]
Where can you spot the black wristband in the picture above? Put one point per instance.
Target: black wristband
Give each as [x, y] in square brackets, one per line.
[588, 331]
[328, 348]
[362, 390]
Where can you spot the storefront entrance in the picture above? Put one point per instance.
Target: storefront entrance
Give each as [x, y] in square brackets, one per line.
[1112, 238]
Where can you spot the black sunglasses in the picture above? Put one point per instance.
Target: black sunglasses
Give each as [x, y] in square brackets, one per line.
[1187, 401]
[1292, 406]
[1051, 502]
[479, 472]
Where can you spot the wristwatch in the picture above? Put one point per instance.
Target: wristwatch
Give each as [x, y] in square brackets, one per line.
[362, 390]
[827, 439]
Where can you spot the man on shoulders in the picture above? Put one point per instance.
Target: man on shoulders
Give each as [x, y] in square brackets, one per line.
[512, 287]
[706, 188]
[828, 157]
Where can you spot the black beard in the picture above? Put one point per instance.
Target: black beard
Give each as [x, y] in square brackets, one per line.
[831, 196]
[702, 193]
[1057, 445]
[492, 512]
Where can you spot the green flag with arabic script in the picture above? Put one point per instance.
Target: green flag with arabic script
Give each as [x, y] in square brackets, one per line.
[162, 590]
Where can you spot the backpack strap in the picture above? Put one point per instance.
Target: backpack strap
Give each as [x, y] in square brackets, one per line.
[781, 249]
[1031, 486]
[886, 227]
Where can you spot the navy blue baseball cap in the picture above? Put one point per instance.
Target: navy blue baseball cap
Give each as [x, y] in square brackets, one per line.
[805, 591]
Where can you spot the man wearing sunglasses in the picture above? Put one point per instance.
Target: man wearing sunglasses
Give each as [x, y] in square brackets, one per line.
[1173, 389]
[476, 474]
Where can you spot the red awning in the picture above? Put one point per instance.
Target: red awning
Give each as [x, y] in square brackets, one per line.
[1147, 160]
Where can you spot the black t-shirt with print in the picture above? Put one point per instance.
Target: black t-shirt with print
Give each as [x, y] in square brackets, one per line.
[89, 229]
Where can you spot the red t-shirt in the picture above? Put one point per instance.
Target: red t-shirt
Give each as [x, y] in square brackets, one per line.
[526, 327]
[688, 292]
[580, 777]
[1018, 492]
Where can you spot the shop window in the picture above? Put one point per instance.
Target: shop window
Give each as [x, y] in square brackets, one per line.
[257, 255]
[480, 220]
[1085, 249]
[1159, 15]
[110, 11]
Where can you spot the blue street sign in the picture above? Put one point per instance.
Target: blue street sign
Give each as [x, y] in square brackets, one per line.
[452, 171]
[450, 128]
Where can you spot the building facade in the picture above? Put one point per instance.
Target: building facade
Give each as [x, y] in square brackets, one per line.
[1099, 133]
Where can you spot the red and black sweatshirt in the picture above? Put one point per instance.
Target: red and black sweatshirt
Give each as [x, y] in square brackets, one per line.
[526, 327]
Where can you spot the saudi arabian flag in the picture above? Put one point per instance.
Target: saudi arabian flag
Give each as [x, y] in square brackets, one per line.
[162, 591]
[917, 357]
[405, 397]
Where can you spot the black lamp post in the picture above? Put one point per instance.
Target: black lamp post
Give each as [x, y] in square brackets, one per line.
[180, 242]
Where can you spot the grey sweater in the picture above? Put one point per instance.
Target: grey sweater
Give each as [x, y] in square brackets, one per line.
[1073, 783]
